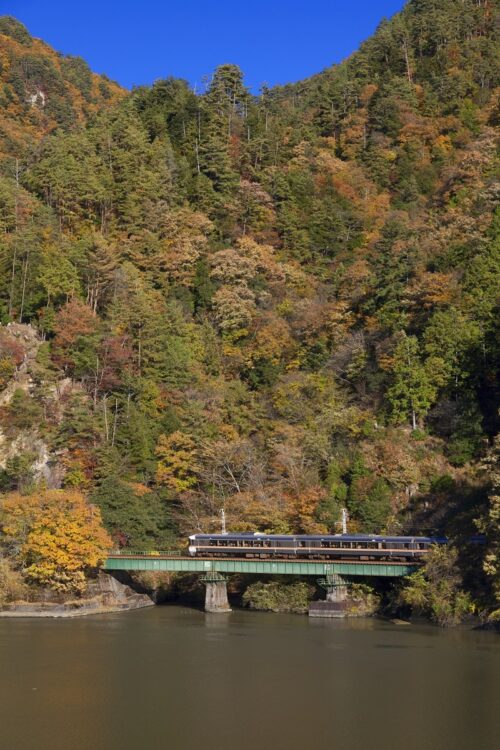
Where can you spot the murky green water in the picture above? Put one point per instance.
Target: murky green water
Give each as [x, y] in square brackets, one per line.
[176, 679]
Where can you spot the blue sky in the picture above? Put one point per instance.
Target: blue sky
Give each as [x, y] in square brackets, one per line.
[273, 41]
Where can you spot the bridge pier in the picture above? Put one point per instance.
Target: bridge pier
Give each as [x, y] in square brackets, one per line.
[215, 593]
[335, 587]
[335, 603]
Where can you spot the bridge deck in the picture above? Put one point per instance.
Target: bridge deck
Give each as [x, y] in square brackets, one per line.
[173, 564]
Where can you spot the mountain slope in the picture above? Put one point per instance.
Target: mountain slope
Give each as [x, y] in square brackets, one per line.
[280, 305]
[42, 89]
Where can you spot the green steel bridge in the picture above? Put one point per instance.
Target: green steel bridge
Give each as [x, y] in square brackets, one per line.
[334, 577]
[171, 563]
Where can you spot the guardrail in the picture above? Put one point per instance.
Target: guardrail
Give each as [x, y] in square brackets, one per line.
[149, 553]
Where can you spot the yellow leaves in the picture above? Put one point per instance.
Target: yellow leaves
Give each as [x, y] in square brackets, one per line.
[262, 257]
[140, 490]
[284, 395]
[389, 154]
[231, 267]
[60, 536]
[185, 240]
[297, 279]
[177, 466]
[270, 342]
[285, 308]
[442, 145]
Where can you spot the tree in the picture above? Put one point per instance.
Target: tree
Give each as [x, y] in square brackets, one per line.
[57, 275]
[133, 514]
[177, 465]
[489, 522]
[436, 589]
[369, 502]
[411, 393]
[55, 535]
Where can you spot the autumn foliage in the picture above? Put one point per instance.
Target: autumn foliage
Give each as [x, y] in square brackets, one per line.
[56, 537]
[281, 305]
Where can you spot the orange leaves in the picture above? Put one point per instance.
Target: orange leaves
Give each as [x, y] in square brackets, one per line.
[357, 279]
[434, 289]
[73, 320]
[338, 319]
[302, 508]
[59, 535]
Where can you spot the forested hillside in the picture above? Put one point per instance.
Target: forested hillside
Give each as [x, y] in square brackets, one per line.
[279, 304]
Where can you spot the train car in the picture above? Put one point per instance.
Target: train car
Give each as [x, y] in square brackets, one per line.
[312, 547]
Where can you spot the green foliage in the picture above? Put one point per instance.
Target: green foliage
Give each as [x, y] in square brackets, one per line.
[412, 392]
[12, 27]
[18, 473]
[135, 517]
[23, 412]
[436, 590]
[76, 70]
[489, 524]
[368, 499]
[278, 597]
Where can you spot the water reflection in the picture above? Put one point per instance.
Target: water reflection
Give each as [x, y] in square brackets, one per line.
[175, 678]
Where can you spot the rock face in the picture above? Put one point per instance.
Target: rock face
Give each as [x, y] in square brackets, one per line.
[20, 343]
[104, 594]
[25, 339]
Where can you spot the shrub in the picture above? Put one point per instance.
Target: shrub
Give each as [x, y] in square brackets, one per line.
[435, 590]
[278, 597]
[12, 585]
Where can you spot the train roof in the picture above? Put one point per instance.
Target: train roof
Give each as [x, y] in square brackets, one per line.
[316, 537]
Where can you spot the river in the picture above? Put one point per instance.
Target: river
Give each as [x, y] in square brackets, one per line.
[173, 678]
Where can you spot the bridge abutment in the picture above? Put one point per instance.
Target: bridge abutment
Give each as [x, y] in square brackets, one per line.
[216, 600]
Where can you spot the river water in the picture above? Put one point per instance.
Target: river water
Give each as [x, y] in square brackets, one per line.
[172, 678]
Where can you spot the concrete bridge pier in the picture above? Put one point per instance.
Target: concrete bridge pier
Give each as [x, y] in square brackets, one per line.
[335, 587]
[335, 602]
[215, 593]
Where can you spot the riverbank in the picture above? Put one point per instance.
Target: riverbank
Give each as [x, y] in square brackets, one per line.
[104, 595]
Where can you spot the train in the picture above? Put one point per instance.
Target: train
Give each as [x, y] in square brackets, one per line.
[362, 547]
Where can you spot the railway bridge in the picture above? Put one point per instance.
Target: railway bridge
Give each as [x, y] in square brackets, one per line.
[334, 577]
